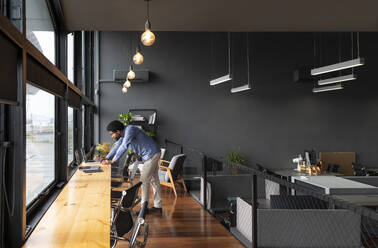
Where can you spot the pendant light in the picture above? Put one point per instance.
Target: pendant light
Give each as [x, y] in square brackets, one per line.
[138, 57]
[124, 90]
[127, 84]
[131, 73]
[148, 38]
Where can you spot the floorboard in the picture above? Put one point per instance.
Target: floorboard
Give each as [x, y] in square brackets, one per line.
[184, 223]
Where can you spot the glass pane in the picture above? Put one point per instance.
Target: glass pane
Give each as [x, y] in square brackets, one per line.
[40, 141]
[40, 28]
[83, 125]
[70, 135]
[70, 57]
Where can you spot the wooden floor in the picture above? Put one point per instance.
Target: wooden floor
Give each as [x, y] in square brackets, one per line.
[184, 223]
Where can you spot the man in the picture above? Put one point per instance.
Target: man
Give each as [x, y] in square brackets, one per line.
[134, 138]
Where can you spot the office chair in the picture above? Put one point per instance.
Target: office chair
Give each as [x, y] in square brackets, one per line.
[120, 174]
[78, 159]
[333, 168]
[126, 199]
[359, 169]
[123, 224]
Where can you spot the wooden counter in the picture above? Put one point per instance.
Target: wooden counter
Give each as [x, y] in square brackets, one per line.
[80, 216]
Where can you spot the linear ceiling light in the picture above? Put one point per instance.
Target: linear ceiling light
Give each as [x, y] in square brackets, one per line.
[337, 79]
[338, 66]
[227, 77]
[241, 88]
[220, 80]
[327, 88]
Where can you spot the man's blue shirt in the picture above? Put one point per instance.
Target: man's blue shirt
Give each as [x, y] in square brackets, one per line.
[138, 141]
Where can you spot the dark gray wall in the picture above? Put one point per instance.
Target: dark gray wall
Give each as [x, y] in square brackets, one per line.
[272, 122]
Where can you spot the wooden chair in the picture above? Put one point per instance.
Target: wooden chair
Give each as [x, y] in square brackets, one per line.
[169, 175]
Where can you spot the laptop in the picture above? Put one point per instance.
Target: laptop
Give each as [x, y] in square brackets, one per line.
[91, 169]
[85, 159]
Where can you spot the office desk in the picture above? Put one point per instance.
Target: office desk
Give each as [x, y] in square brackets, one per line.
[361, 200]
[80, 216]
[332, 185]
[288, 173]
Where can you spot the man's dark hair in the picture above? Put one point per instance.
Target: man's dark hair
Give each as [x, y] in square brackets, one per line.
[114, 126]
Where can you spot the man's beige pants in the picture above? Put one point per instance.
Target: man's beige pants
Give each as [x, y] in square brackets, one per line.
[149, 175]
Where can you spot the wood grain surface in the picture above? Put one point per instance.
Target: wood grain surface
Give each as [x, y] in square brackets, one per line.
[80, 216]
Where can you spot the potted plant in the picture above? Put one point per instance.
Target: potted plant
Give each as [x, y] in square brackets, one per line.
[126, 118]
[235, 157]
[102, 150]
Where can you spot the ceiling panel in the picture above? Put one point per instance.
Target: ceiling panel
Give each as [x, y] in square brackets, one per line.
[223, 15]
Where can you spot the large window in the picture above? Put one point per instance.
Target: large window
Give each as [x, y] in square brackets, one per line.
[40, 28]
[70, 57]
[70, 135]
[83, 126]
[40, 141]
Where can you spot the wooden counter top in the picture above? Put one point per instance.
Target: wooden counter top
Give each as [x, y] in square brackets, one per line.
[80, 216]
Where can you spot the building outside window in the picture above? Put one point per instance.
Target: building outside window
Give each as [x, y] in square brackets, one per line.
[39, 28]
[40, 141]
[70, 135]
[70, 57]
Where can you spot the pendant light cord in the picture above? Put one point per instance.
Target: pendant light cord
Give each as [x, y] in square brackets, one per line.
[314, 50]
[248, 66]
[212, 72]
[229, 53]
[358, 44]
[352, 46]
[148, 9]
[339, 36]
[315, 36]
[320, 52]
[131, 45]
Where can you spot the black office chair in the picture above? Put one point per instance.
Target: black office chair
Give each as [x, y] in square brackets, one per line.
[78, 159]
[120, 174]
[333, 168]
[127, 199]
[123, 224]
[359, 169]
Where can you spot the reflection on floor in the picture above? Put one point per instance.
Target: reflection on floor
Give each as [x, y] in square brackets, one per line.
[184, 223]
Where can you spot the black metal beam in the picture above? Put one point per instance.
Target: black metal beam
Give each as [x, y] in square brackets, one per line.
[61, 168]
[57, 14]
[15, 223]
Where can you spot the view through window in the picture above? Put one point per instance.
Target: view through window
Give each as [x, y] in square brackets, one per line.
[40, 28]
[70, 135]
[83, 125]
[40, 141]
[70, 57]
